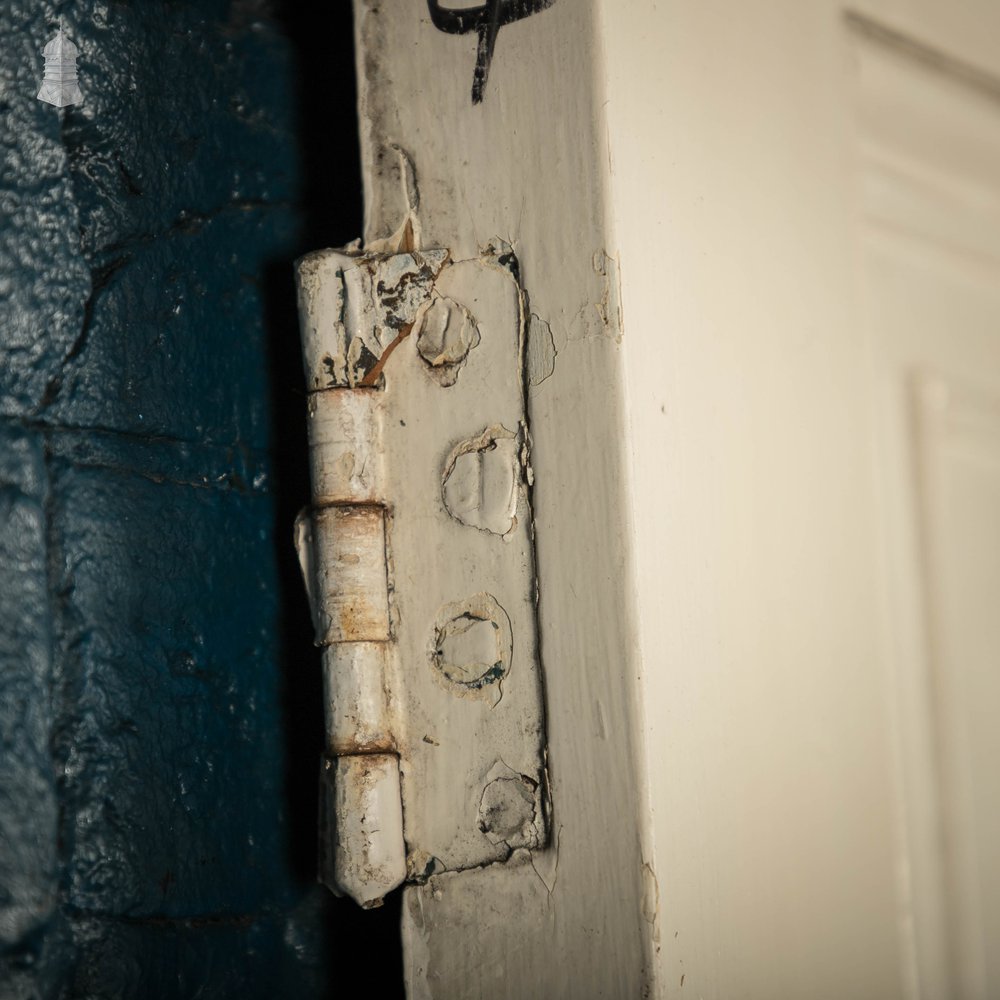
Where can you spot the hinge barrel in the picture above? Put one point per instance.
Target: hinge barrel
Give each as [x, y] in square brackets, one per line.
[343, 550]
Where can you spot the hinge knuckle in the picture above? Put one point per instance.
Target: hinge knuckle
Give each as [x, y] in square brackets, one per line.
[352, 589]
[361, 823]
[362, 853]
[319, 277]
[356, 700]
[345, 454]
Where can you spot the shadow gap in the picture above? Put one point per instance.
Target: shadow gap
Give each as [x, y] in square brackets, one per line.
[331, 208]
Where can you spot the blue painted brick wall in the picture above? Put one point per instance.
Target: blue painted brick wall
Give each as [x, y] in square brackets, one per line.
[143, 851]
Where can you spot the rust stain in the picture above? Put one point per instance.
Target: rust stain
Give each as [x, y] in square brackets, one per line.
[358, 518]
[358, 619]
[363, 745]
[371, 379]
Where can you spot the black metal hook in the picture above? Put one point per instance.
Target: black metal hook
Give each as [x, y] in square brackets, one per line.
[487, 20]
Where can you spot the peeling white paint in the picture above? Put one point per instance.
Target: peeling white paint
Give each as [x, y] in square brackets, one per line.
[541, 351]
[509, 810]
[651, 899]
[407, 236]
[354, 307]
[441, 463]
[303, 541]
[321, 302]
[609, 308]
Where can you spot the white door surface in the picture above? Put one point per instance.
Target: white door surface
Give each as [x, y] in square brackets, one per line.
[761, 247]
[929, 145]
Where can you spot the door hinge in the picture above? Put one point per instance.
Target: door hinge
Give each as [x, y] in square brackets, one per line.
[418, 554]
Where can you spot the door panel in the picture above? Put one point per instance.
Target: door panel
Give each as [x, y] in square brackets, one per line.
[929, 144]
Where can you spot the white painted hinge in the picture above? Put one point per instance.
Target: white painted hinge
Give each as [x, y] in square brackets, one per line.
[418, 553]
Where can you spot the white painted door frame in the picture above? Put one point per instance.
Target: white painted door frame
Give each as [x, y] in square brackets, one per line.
[684, 188]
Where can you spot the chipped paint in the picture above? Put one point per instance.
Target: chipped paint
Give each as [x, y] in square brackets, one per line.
[471, 646]
[420, 866]
[540, 357]
[498, 930]
[609, 308]
[321, 305]
[510, 809]
[353, 306]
